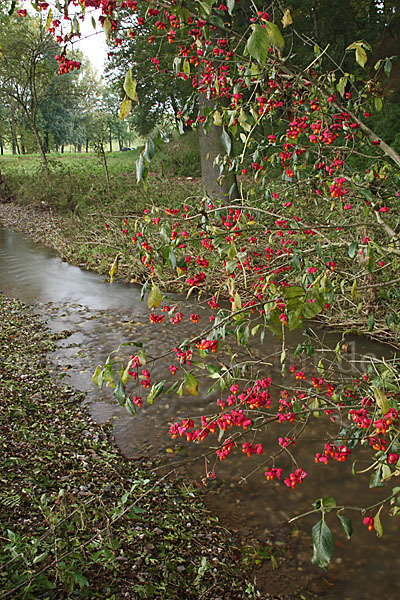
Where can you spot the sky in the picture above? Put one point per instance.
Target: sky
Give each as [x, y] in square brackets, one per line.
[92, 43]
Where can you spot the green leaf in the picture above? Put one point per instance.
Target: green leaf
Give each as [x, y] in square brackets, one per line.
[226, 141]
[258, 44]
[341, 86]
[107, 28]
[294, 292]
[378, 103]
[191, 384]
[13, 4]
[80, 579]
[143, 290]
[370, 259]
[230, 5]
[205, 7]
[125, 109]
[119, 393]
[125, 373]
[140, 168]
[361, 55]
[376, 479]
[238, 301]
[108, 374]
[130, 85]
[353, 247]
[346, 524]
[97, 377]
[155, 297]
[295, 315]
[371, 322]
[142, 356]
[149, 150]
[388, 67]
[275, 35]
[130, 407]
[322, 544]
[326, 504]
[377, 523]
[381, 400]
[155, 391]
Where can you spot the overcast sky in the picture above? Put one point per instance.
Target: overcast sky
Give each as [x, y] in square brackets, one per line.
[92, 43]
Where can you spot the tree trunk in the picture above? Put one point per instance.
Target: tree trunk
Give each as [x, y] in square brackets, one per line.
[105, 165]
[42, 153]
[13, 137]
[222, 187]
[87, 145]
[46, 142]
[79, 148]
[62, 149]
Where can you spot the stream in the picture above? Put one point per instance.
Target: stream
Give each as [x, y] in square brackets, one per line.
[100, 317]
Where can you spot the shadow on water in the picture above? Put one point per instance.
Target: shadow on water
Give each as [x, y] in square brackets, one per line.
[101, 317]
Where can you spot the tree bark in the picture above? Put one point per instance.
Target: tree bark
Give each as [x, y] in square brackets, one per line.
[46, 142]
[13, 137]
[42, 153]
[222, 187]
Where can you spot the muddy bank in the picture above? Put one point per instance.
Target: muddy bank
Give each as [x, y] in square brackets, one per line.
[41, 224]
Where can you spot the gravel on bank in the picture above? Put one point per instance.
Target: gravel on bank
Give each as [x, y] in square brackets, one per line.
[40, 224]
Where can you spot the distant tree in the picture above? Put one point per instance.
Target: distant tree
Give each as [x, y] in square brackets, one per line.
[27, 70]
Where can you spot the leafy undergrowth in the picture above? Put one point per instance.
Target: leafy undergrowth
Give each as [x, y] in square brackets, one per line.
[79, 521]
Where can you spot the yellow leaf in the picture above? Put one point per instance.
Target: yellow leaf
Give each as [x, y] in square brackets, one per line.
[114, 269]
[381, 400]
[361, 55]
[155, 297]
[130, 85]
[125, 109]
[49, 19]
[217, 118]
[287, 18]
[191, 384]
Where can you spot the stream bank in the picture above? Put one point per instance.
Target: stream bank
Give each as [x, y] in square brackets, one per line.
[52, 280]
